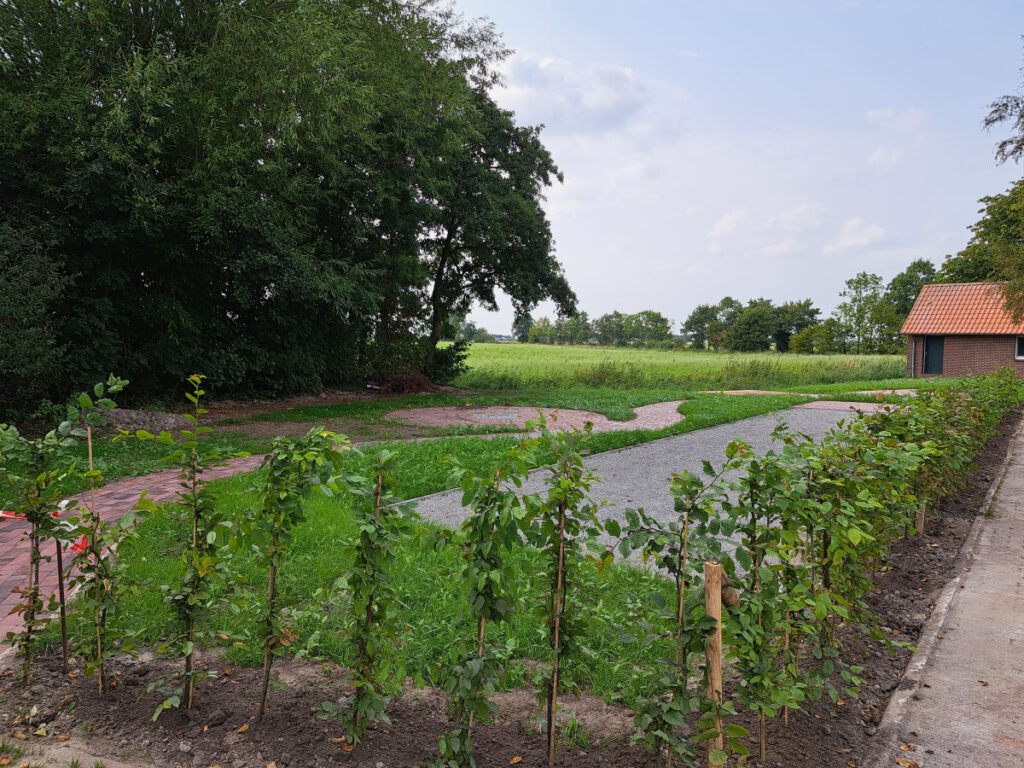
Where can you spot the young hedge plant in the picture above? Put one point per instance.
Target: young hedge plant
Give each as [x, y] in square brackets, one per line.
[381, 523]
[33, 469]
[491, 529]
[563, 526]
[191, 597]
[293, 467]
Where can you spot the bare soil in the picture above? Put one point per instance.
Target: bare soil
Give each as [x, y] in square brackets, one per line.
[221, 730]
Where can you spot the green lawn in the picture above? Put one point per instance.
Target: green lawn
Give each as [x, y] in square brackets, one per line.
[433, 613]
[535, 366]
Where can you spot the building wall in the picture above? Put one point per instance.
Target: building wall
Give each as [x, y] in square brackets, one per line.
[967, 355]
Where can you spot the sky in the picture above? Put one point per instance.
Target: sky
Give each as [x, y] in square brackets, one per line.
[755, 148]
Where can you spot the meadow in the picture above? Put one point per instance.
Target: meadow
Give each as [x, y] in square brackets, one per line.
[532, 366]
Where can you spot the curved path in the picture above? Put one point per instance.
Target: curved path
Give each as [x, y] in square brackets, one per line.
[639, 476]
[629, 477]
[656, 416]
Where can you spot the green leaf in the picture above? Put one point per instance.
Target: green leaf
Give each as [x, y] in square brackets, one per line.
[718, 757]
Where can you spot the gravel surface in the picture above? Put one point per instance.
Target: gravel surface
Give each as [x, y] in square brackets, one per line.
[639, 476]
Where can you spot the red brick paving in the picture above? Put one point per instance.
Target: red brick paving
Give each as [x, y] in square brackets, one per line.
[657, 416]
[112, 501]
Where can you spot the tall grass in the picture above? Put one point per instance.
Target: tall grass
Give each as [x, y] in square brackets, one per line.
[522, 366]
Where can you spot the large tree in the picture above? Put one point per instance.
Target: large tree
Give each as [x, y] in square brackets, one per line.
[902, 290]
[699, 323]
[996, 248]
[262, 189]
[489, 227]
[793, 317]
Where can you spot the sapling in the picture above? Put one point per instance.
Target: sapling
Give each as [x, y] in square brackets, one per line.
[491, 529]
[33, 469]
[564, 523]
[95, 556]
[191, 596]
[293, 468]
[381, 523]
[670, 545]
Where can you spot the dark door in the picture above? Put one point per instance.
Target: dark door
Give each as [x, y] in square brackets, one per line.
[933, 349]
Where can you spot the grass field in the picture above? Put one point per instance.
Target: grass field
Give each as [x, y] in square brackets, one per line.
[534, 366]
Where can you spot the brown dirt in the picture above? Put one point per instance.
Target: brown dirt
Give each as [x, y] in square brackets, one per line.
[119, 727]
[221, 729]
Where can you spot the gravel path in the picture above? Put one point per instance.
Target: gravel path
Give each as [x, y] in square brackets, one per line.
[639, 476]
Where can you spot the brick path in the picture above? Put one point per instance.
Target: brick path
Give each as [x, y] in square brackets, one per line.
[112, 501]
[115, 499]
[657, 416]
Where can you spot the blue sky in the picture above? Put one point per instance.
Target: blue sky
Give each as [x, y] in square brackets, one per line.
[756, 147]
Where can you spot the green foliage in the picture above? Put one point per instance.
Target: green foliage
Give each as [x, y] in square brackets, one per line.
[381, 524]
[995, 251]
[562, 526]
[260, 190]
[33, 469]
[676, 551]
[293, 468]
[448, 362]
[100, 575]
[643, 329]
[814, 519]
[902, 290]
[496, 515]
[31, 355]
[200, 556]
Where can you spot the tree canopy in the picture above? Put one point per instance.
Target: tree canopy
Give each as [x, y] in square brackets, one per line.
[283, 194]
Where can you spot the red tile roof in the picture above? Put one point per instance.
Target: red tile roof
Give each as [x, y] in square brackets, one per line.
[961, 309]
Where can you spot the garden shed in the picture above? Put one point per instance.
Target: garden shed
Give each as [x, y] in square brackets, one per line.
[962, 329]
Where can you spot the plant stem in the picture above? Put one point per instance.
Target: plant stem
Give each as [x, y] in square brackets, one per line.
[190, 630]
[30, 604]
[556, 638]
[268, 655]
[762, 736]
[99, 617]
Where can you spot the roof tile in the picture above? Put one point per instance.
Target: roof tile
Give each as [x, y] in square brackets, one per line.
[961, 309]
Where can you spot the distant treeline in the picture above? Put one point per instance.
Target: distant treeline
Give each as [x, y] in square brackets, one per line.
[867, 321]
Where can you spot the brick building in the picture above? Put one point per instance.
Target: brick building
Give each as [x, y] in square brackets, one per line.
[962, 329]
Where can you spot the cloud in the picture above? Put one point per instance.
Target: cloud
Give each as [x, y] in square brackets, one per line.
[885, 158]
[726, 226]
[797, 219]
[782, 248]
[907, 121]
[572, 98]
[855, 235]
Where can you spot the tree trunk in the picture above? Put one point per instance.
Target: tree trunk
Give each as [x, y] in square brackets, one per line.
[438, 308]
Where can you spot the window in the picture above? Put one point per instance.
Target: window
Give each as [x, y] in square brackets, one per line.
[1020, 348]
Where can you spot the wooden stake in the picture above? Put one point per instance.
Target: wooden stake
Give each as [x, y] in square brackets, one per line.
[919, 527]
[63, 609]
[713, 608]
